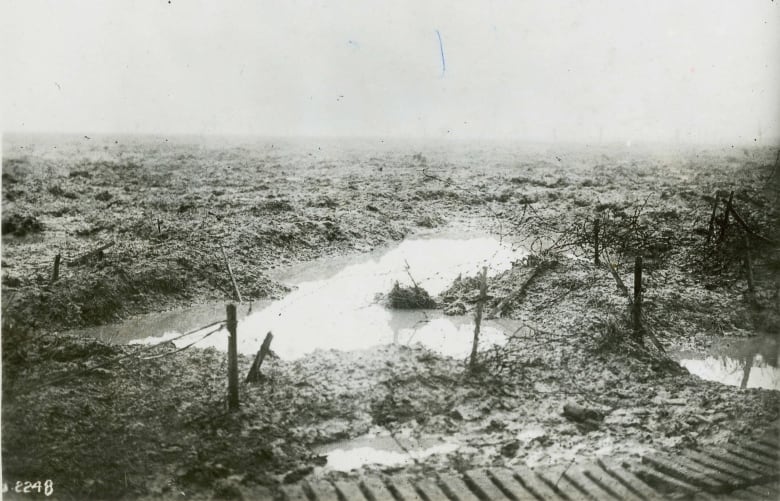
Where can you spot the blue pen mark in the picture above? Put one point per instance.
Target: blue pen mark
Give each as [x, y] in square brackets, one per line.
[441, 51]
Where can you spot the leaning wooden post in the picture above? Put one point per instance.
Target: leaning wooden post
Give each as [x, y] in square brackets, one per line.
[636, 309]
[749, 270]
[478, 317]
[254, 371]
[725, 218]
[596, 227]
[712, 218]
[55, 274]
[230, 272]
[232, 358]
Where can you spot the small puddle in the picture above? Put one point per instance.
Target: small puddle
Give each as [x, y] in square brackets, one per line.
[381, 451]
[746, 363]
[334, 304]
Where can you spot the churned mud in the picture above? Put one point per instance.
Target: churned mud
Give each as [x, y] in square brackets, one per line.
[106, 419]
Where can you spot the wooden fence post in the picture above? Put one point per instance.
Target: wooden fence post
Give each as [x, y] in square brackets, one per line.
[712, 218]
[749, 270]
[232, 325]
[478, 316]
[596, 228]
[55, 274]
[254, 372]
[637, 304]
[726, 214]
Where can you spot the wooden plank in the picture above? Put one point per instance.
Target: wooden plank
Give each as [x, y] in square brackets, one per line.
[509, 485]
[404, 489]
[681, 472]
[349, 490]
[485, 487]
[532, 482]
[631, 481]
[375, 489]
[576, 475]
[456, 488]
[704, 496]
[745, 495]
[749, 455]
[558, 481]
[767, 491]
[770, 452]
[747, 475]
[763, 470]
[430, 490]
[731, 480]
[294, 492]
[770, 441]
[323, 491]
[617, 489]
[662, 482]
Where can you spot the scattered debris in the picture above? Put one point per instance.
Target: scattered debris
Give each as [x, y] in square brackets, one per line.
[409, 298]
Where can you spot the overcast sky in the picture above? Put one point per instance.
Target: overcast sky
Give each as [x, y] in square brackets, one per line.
[626, 70]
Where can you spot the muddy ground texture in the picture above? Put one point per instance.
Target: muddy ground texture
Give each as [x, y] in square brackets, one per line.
[109, 421]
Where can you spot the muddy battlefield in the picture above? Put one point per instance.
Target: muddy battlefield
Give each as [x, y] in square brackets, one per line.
[433, 309]
[322, 250]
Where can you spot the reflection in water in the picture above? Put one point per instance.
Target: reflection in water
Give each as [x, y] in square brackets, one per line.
[746, 363]
[156, 324]
[384, 451]
[335, 306]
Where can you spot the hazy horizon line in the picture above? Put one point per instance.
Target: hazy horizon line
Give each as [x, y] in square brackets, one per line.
[763, 142]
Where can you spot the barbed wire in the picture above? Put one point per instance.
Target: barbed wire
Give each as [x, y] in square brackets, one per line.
[71, 375]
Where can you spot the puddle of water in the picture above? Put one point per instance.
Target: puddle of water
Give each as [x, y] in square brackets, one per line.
[746, 363]
[159, 326]
[381, 451]
[334, 304]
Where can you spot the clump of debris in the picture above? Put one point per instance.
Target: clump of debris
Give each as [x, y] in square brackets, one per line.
[506, 289]
[409, 298]
[21, 224]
